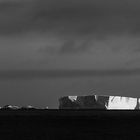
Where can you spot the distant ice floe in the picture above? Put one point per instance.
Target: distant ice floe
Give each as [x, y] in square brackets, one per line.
[10, 107]
[14, 107]
[28, 107]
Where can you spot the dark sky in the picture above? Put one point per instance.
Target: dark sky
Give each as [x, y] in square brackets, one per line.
[100, 35]
[69, 34]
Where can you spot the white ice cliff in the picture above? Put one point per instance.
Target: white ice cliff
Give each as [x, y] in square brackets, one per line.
[99, 102]
[118, 102]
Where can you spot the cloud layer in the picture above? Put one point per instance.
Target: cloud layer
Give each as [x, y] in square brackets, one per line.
[79, 18]
[74, 27]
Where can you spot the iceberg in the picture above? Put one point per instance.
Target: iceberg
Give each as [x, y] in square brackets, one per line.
[104, 102]
[118, 102]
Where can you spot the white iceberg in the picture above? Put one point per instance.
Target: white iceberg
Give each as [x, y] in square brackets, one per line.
[118, 102]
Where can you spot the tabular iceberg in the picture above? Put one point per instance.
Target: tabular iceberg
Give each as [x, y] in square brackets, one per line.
[99, 102]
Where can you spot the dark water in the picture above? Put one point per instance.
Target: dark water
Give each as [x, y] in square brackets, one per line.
[70, 124]
[42, 92]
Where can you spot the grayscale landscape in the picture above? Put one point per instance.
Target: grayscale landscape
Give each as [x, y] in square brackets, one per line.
[69, 69]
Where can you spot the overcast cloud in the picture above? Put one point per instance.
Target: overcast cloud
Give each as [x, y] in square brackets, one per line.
[71, 17]
[73, 28]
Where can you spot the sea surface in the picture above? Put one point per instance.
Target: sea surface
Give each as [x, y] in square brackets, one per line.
[69, 124]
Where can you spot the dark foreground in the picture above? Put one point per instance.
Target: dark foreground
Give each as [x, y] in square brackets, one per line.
[69, 124]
